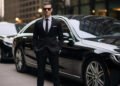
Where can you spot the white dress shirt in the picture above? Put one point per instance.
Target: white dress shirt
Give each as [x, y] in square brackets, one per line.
[49, 22]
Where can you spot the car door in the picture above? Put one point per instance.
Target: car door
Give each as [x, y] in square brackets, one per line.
[71, 55]
[28, 46]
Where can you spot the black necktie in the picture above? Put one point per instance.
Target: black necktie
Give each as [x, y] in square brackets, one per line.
[46, 27]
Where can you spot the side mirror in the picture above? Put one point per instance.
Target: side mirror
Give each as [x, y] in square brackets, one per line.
[71, 42]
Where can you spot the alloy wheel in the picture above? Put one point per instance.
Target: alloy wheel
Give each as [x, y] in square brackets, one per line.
[95, 74]
[19, 60]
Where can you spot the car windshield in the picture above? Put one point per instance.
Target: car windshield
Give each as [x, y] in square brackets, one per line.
[95, 27]
[19, 27]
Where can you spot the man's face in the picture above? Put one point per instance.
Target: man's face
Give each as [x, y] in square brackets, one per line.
[47, 10]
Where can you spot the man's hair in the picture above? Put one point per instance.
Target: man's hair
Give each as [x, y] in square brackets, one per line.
[47, 2]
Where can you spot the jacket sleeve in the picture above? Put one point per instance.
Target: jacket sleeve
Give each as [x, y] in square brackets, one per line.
[35, 37]
[60, 34]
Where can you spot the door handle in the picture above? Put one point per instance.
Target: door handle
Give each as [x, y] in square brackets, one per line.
[24, 37]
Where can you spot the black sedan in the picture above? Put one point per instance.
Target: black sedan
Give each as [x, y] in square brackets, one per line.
[90, 52]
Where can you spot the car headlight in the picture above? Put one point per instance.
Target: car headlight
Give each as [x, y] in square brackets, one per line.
[8, 41]
[8, 44]
[116, 57]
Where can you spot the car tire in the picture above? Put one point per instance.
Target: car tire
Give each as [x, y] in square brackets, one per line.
[20, 60]
[95, 73]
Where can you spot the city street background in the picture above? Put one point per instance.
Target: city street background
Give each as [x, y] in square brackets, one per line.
[24, 11]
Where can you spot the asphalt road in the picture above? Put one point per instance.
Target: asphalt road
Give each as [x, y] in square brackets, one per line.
[10, 77]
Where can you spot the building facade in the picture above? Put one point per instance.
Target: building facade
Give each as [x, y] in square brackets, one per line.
[92, 7]
[27, 10]
[10, 10]
[21, 10]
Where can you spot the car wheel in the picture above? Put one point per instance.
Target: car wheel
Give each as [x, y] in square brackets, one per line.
[95, 73]
[19, 60]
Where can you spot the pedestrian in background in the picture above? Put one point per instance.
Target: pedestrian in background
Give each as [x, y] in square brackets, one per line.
[47, 41]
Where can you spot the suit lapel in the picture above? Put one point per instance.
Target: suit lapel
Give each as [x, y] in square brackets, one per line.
[42, 26]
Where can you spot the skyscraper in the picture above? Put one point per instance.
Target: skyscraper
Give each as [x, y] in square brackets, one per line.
[25, 10]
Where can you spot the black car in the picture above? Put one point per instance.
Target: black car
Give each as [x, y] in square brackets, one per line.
[90, 52]
[7, 33]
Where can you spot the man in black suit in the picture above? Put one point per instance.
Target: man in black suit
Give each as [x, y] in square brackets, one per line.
[47, 41]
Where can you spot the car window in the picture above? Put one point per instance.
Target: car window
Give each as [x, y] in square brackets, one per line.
[76, 25]
[114, 30]
[66, 31]
[89, 27]
[30, 29]
[19, 26]
[103, 28]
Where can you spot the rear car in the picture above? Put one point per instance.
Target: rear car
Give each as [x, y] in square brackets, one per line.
[7, 33]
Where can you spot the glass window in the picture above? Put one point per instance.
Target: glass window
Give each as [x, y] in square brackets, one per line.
[84, 1]
[99, 0]
[29, 29]
[100, 26]
[114, 30]
[19, 26]
[66, 31]
[85, 10]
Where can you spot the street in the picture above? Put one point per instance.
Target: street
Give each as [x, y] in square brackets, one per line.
[10, 77]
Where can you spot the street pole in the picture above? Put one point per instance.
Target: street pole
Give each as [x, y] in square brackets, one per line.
[2, 15]
[92, 6]
[107, 7]
[79, 6]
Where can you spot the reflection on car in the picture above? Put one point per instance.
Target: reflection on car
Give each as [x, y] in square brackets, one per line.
[90, 50]
[7, 32]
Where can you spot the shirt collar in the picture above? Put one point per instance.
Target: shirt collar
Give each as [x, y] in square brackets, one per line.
[49, 18]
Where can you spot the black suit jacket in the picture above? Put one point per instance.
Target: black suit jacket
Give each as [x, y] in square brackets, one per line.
[52, 40]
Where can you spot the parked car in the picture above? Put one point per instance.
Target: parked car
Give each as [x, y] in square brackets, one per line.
[7, 32]
[90, 51]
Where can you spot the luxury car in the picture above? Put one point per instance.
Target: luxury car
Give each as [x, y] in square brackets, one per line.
[90, 51]
[7, 32]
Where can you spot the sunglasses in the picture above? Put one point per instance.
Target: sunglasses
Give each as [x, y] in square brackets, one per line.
[46, 9]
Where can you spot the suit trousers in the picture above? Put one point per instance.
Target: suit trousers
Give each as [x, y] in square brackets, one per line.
[41, 62]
